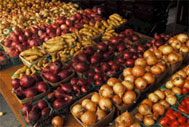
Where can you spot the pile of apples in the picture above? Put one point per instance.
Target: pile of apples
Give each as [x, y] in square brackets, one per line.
[33, 113]
[57, 71]
[29, 86]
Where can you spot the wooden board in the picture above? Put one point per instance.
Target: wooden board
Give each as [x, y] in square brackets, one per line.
[15, 105]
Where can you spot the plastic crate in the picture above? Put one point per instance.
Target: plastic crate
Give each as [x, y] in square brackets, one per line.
[42, 122]
[16, 61]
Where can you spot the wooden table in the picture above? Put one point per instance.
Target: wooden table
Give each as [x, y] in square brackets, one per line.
[15, 105]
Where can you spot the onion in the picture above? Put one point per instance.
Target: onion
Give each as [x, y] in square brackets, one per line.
[138, 71]
[169, 84]
[182, 73]
[30, 92]
[34, 115]
[77, 110]
[177, 90]
[119, 89]
[139, 116]
[148, 121]
[116, 99]
[128, 85]
[135, 125]
[26, 109]
[90, 106]
[186, 84]
[162, 66]
[45, 112]
[105, 103]
[106, 91]
[160, 94]
[127, 118]
[89, 118]
[57, 121]
[149, 78]
[42, 104]
[147, 68]
[158, 53]
[129, 97]
[84, 102]
[95, 98]
[151, 60]
[153, 97]
[171, 99]
[148, 102]
[15, 83]
[168, 92]
[100, 114]
[112, 81]
[158, 108]
[140, 62]
[178, 81]
[81, 67]
[141, 83]
[164, 103]
[42, 86]
[182, 37]
[127, 71]
[144, 109]
[173, 58]
[130, 78]
[166, 49]
[148, 53]
[156, 70]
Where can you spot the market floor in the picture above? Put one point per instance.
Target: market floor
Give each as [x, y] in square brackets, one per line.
[8, 119]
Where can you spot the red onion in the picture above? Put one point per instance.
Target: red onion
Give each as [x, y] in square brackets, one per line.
[15, 83]
[30, 92]
[42, 104]
[45, 112]
[26, 81]
[58, 103]
[26, 109]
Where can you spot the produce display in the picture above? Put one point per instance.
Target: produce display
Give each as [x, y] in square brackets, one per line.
[76, 61]
[32, 113]
[183, 106]
[92, 109]
[179, 82]
[173, 119]
[56, 72]
[60, 97]
[28, 87]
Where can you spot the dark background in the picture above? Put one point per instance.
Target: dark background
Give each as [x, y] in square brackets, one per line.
[145, 16]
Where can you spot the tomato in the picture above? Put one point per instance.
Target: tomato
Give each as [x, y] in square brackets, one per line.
[169, 111]
[164, 121]
[184, 90]
[175, 124]
[186, 100]
[172, 117]
[182, 109]
[177, 114]
[182, 119]
[183, 103]
[183, 125]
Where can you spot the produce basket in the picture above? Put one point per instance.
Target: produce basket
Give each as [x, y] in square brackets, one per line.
[122, 108]
[42, 122]
[173, 67]
[29, 64]
[35, 98]
[16, 60]
[7, 65]
[101, 123]
[57, 83]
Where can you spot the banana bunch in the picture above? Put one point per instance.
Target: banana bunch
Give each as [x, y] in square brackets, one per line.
[31, 70]
[89, 32]
[116, 20]
[33, 54]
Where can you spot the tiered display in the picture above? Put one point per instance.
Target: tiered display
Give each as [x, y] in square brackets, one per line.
[79, 59]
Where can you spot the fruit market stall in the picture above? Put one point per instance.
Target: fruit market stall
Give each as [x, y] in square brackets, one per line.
[78, 68]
